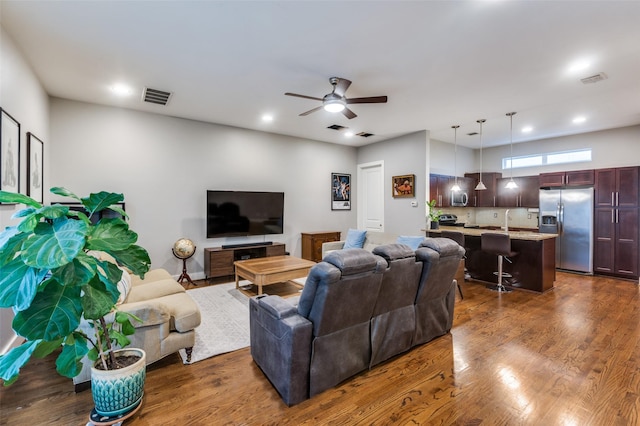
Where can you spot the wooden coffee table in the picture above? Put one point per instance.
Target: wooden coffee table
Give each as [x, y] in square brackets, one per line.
[270, 270]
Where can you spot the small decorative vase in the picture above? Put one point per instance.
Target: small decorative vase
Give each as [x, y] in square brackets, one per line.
[116, 392]
[435, 224]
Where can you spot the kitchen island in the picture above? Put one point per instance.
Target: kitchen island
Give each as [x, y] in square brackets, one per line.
[533, 267]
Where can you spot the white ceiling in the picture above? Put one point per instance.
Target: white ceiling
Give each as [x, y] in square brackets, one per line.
[439, 62]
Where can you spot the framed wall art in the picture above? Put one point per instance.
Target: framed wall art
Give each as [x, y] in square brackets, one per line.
[403, 186]
[9, 153]
[340, 191]
[35, 167]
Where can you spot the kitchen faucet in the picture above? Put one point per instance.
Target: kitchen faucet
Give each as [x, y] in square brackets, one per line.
[506, 221]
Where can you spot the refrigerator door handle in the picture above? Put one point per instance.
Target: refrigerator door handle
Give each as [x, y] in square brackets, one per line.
[559, 214]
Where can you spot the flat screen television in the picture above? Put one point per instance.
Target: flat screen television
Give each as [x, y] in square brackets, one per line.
[243, 213]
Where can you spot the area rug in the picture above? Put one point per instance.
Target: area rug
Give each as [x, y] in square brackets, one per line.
[225, 321]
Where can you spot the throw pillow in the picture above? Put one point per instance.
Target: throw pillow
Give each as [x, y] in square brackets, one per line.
[413, 242]
[124, 286]
[355, 239]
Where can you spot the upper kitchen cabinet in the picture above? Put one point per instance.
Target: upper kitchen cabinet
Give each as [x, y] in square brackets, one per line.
[487, 197]
[525, 195]
[572, 178]
[440, 189]
[617, 187]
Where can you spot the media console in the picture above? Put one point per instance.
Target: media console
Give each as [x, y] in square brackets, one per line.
[218, 261]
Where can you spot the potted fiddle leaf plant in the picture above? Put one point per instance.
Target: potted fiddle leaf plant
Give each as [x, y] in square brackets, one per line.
[434, 214]
[55, 283]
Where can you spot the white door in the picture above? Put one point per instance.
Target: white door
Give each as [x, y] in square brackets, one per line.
[371, 196]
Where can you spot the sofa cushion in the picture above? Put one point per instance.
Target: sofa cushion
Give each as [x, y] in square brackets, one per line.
[351, 262]
[394, 251]
[411, 241]
[355, 239]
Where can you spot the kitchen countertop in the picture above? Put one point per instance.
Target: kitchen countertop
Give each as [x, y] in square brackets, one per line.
[476, 232]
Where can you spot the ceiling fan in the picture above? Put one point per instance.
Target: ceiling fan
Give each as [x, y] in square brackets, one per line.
[336, 102]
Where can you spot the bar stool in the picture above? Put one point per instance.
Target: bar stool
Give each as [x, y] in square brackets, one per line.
[500, 245]
[458, 237]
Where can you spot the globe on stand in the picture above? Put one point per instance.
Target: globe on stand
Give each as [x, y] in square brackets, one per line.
[184, 249]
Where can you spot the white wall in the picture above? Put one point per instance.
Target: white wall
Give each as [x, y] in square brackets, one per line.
[404, 155]
[164, 165]
[610, 148]
[442, 159]
[22, 96]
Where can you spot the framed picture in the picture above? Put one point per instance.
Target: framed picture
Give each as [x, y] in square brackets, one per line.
[35, 167]
[403, 186]
[340, 191]
[9, 153]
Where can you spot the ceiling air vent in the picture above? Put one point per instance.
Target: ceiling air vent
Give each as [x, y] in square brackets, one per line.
[594, 78]
[472, 134]
[336, 127]
[364, 134]
[155, 96]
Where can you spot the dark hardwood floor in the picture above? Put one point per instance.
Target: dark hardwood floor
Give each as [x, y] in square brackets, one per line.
[568, 357]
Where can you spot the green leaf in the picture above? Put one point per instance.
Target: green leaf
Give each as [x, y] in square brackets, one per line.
[111, 234]
[29, 223]
[69, 363]
[97, 300]
[24, 212]
[63, 192]
[119, 338]
[100, 201]
[45, 348]
[54, 245]
[55, 312]
[78, 272]
[55, 211]
[14, 360]
[12, 197]
[10, 244]
[18, 284]
[119, 210]
[135, 258]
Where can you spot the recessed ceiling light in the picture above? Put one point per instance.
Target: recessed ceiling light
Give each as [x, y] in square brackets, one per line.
[579, 120]
[348, 134]
[527, 129]
[267, 117]
[121, 89]
[578, 66]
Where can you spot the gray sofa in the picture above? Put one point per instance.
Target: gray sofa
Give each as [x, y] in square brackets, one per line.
[357, 310]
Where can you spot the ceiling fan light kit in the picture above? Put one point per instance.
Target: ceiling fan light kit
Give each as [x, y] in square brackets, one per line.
[336, 101]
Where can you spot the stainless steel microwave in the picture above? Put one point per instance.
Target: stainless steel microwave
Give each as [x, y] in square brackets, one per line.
[459, 199]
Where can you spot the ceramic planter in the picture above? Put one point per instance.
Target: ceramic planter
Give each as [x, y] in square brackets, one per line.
[116, 392]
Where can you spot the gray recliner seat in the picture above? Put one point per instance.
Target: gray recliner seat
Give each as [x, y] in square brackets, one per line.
[436, 292]
[394, 321]
[325, 340]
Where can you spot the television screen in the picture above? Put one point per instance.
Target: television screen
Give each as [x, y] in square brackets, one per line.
[242, 213]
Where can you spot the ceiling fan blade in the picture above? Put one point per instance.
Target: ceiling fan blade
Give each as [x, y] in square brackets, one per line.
[367, 100]
[348, 113]
[342, 86]
[310, 111]
[303, 96]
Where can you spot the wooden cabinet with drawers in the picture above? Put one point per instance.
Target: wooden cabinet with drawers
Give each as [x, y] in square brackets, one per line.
[312, 243]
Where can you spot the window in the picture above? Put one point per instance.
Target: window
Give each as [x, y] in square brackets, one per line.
[548, 158]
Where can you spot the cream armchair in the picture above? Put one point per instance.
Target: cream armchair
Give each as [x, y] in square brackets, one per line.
[169, 318]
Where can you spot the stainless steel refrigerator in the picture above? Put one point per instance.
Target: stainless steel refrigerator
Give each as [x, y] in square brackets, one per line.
[569, 213]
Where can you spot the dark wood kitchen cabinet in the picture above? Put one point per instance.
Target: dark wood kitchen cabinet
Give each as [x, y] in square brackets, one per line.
[525, 195]
[617, 222]
[440, 189]
[571, 178]
[487, 197]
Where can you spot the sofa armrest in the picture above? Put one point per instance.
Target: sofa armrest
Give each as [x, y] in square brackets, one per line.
[150, 312]
[281, 345]
[331, 246]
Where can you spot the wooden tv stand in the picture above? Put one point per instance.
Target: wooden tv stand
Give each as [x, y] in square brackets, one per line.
[218, 261]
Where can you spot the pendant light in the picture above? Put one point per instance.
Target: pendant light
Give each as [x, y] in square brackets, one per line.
[511, 184]
[455, 186]
[480, 186]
